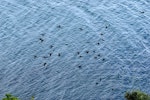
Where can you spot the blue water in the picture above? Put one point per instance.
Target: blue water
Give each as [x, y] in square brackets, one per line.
[74, 49]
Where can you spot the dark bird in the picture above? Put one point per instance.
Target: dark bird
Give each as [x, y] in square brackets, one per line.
[41, 39]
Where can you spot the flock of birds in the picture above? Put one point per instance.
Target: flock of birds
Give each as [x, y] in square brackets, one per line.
[78, 53]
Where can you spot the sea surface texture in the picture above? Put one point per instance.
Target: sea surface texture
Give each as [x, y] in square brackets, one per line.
[74, 49]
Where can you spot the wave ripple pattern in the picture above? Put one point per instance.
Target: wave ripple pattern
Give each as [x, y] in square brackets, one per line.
[74, 49]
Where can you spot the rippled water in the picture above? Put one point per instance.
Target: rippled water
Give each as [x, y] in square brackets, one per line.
[74, 49]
